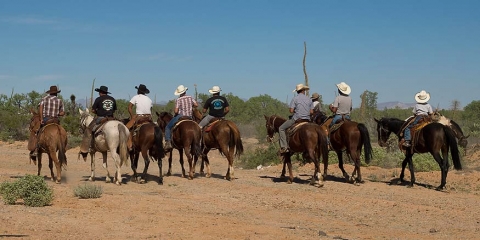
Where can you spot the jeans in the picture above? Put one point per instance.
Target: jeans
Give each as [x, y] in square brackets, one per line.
[206, 120]
[168, 128]
[407, 136]
[338, 117]
[283, 134]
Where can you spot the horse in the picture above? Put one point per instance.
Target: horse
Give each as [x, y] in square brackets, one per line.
[462, 139]
[147, 139]
[350, 137]
[186, 136]
[308, 139]
[110, 137]
[52, 140]
[223, 135]
[434, 138]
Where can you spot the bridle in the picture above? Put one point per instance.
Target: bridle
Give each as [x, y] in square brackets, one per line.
[271, 128]
[32, 126]
[384, 131]
[83, 122]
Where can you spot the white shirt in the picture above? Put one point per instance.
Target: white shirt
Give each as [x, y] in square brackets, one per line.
[143, 104]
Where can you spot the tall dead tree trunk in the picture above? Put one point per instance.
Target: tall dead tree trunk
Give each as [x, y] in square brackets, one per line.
[304, 68]
[91, 94]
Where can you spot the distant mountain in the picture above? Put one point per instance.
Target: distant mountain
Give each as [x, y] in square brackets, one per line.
[392, 105]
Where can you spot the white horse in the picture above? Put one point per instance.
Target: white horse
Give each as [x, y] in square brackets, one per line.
[112, 137]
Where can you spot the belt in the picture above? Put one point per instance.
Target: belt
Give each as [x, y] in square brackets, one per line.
[144, 115]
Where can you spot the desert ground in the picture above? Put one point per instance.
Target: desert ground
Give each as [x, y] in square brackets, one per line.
[257, 204]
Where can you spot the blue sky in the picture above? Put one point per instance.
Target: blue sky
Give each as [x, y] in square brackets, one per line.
[248, 48]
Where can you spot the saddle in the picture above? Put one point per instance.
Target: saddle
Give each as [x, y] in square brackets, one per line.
[298, 123]
[182, 119]
[415, 129]
[210, 125]
[97, 128]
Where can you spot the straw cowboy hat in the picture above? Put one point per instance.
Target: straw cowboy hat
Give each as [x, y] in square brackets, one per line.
[422, 97]
[180, 89]
[215, 89]
[53, 89]
[344, 88]
[300, 87]
[102, 89]
[315, 96]
[143, 89]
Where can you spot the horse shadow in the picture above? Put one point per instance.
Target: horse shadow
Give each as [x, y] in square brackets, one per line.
[398, 182]
[285, 179]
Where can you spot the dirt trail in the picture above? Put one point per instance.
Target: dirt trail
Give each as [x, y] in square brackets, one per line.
[256, 205]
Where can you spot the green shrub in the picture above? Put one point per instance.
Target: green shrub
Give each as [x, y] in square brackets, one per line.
[88, 191]
[32, 189]
[260, 156]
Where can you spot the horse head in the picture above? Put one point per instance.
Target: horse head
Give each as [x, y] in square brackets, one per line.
[85, 118]
[383, 131]
[163, 119]
[270, 125]
[35, 121]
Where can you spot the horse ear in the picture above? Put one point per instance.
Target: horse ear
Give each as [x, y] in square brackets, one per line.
[467, 136]
[158, 114]
[80, 111]
[87, 111]
[266, 118]
[376, 120]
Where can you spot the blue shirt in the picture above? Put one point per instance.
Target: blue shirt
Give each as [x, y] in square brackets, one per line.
[301, 105]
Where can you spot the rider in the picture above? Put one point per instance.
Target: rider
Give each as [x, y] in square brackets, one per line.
[342, 105]
[184, 105]
[302, 107]
[104, 106]
[317, 107]
[51, 107]
[216, 105]
[421, 109]
[143, 110]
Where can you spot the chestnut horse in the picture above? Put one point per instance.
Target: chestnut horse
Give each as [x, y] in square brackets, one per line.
[112, 138]
[308, 139]
[223, 135]
[350, 137]
[51, 139]
[186, 135]
[434, 138]
[147, 139]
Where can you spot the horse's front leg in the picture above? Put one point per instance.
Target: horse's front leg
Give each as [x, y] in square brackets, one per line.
[160, 171]
[288, 161]
[410, 167]
[108, 179]
[134, 162]
[39, 159]
[92, 167]
[404, 165]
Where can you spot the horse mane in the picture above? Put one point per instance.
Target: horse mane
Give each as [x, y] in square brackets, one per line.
[456, 126]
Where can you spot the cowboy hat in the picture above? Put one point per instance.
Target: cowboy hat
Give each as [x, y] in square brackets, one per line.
[300, 87]
[215, 89]
[344, 88]
[180, 89]
[53, 89]
[315, 96]
[143, 89]
[102, 89]
[422, 97]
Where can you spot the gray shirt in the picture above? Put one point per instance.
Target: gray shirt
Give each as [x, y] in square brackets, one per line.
[422, 109]
[343, 104]
[301, 105]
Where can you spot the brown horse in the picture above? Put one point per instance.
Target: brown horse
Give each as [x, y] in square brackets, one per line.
[308, 139]
[349, 137]
[186, 135]
[223, 135]
[51, 139]
[147, 139]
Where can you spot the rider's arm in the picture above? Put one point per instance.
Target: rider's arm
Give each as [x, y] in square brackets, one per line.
[40, 112]
[130, 109]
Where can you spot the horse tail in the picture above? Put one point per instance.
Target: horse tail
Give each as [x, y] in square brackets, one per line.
[61, 146]
[197, 145]
[452, 142]
[322, 145]
[367, 146]
[158, 135]
[123, 149]
[235, 136]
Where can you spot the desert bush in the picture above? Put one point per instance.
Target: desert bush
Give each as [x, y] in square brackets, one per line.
[32, 189]
[260, 156]
[86, 191]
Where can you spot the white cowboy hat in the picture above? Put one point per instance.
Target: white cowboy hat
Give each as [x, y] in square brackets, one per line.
[422, 97]
[180, 89]
[344, 88]
[215, 89]
[300, 87]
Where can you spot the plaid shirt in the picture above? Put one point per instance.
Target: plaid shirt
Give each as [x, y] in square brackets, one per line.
[185, 105]
[52, 106]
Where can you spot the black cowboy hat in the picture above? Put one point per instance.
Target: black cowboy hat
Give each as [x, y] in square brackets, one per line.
[53, 89]
[143, 89]
[102, 89]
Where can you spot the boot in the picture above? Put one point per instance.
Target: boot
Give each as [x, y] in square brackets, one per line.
[407, 143]
[168, 145]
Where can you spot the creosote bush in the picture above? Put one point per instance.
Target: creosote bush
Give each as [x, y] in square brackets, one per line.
[32, 189]
[86, 191]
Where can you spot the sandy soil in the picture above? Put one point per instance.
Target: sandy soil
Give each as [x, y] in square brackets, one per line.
[256, 205]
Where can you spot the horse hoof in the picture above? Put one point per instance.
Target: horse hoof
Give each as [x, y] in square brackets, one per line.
[58, 182]
[142, 181]
[321, 184]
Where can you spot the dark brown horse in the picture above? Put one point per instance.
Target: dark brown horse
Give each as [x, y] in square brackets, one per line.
[147, 139]
[186, 136]
[349, 137]
[434, 138]
[223, 135]
[51, 139]
[308, 139]
[462, 139]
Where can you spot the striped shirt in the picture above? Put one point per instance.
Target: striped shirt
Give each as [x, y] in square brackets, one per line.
[52, 106]
[185, 105]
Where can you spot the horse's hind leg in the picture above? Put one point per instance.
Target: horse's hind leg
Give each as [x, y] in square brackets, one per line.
[92, 167]
[443, 163]
[160, 175]
[146, 159]
[108, 179]
[39, 160]
[340, 165]
[188, 153]
[53, 159]
[50, 166]
[180, 153]
[169, 172]
[288, 161]
[206, 163]
[118, 169]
